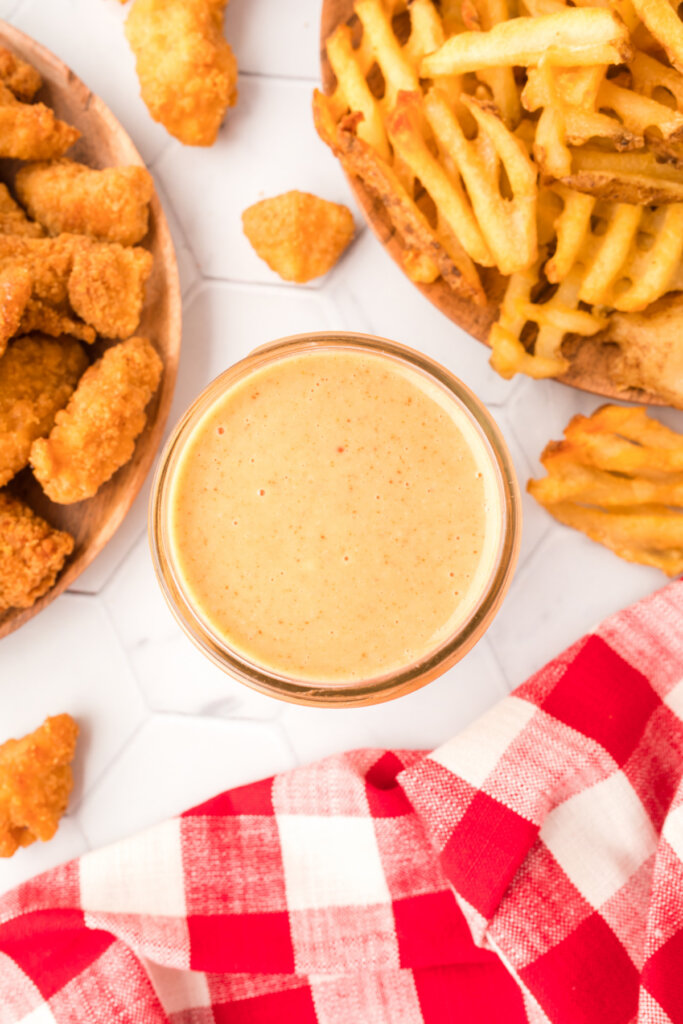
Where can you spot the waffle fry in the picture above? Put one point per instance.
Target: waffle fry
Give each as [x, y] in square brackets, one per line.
[574, 37]
[630, 255]
[566, 180]
[548, 321]
[360, 159]
[575, 103]
[508, 224]
[625, 177]
[411, 139]
[618, 478]
[568, 98]
[660, 18]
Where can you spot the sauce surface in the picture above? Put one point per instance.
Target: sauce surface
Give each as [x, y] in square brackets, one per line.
[334, 516]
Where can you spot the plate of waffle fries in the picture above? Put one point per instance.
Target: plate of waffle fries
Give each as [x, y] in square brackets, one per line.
[522, 160]
[89, 326]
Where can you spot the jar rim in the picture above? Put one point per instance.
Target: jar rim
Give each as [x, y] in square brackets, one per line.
[363, 691]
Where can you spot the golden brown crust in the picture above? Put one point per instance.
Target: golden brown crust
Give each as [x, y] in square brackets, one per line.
[32, 554]
[95, 435]
[102, 282]
[35, 783]
[39, 316]
[47, 260]
[107, 287]
[32, 131]
[19, 77]
[298, 235]
[15, 292]
[187, 71]
[360, 159]
[638, 363]
[37, 378]
[616, 477]
[625, 188]
[110, 205]
[13, 220]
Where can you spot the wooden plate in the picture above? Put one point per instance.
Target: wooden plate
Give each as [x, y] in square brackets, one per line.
[591, 357]
[103, 143]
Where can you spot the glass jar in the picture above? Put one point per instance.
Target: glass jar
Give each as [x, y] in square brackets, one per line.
[357, 691]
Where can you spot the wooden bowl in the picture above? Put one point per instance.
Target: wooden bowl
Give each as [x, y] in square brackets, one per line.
[103, 143]
[591, 357]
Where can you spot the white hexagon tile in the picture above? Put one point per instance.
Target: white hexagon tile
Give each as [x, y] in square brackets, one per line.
[162, 728]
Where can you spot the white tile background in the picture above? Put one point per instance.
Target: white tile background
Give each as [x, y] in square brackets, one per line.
[161, 727]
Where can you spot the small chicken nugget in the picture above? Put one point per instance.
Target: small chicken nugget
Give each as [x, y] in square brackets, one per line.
[95, 435]
[15, 292]
[32, 554]
[37, 378]
[18, 76]
[107, 287]
[35, 783]
[111, 205]
[48, 261]
[32, 131]
[103, 281]
[187, 71]
[297, 234]
[13, 220]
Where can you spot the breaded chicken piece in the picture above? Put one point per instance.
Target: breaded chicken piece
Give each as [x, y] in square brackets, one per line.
[13, 220]
[47, 260]
[31, 131]
[95, 435]
[103, 283]
[187, 71]
[35, 783]
[38, 316]
[111, 205]
[32, 554]
[37, 378]
[107, 287]
[19, 77]
[299, 235]
[15, 292]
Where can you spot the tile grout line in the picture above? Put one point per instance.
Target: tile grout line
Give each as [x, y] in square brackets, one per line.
[122, 646]
[87, 793]
[267, 76]
[114, 569]
[279, 286]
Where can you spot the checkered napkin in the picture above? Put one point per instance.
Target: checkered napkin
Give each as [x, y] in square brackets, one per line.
[530, 869]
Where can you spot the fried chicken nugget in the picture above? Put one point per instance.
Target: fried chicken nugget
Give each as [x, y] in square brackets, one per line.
[187, 71]
[15, 292]
[32, 554]
[95, 435]
[35, 783]
[107, 287]
[299, 235]
[37, 378]
[34, 289]
[31, 131]
[102, 282]
[48, 261]
[13, 220]
[19, 77]
[111, 205]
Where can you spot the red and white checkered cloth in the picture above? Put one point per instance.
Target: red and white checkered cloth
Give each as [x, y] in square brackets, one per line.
[326, 895]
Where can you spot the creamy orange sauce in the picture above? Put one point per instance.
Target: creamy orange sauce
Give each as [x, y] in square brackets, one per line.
[334, 516]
